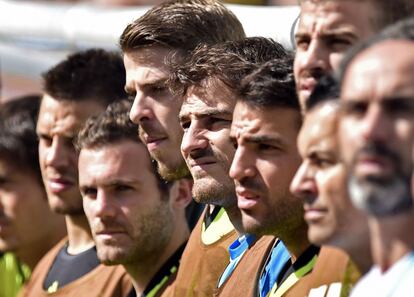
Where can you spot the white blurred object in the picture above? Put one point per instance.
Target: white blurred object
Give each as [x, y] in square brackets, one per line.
[36, 35]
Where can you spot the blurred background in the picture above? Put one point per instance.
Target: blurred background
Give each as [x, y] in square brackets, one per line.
[35, 35]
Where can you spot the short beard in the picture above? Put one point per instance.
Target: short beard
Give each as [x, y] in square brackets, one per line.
[215, 193]
[381, 198]
[172, 174]
[154, 234]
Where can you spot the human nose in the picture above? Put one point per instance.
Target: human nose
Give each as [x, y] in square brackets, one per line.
[242, 165]
[140, 109]
[314, 58]
[104, 206]
[376, 124]
[193, 139]
[57, 153]
[303, 183]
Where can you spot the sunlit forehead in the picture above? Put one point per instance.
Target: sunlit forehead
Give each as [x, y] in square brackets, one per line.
[146, 66]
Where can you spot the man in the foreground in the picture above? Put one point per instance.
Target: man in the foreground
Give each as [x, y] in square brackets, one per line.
[137, 219]
[266, 122]
[209, 83]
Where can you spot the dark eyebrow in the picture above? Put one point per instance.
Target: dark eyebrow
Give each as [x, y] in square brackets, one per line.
[301, 35]
[401, 99]
[154, 82]
[118, 182]
[340, 34]
[158, 81]
[328, 34]
[207, 113]
[263, 138]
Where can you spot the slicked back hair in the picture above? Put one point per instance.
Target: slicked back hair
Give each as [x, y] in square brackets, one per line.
[227, 62]
[111, 127]
[181, 25]
[94, 74]
[18, 138]
[272, 85]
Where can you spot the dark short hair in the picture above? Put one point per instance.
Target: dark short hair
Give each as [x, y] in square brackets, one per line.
[229, 62]
[402, 30]
[272, 85]
[327, 89]
[114, 126]
[18, 138]
[94, 74]
[181, 25]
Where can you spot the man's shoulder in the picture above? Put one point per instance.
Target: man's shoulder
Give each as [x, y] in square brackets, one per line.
[219, 230]
[103, 281]
[46, 262]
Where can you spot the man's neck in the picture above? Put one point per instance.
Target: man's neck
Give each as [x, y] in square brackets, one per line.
[143, 271]
[361, 256]
[235, 217]
[79, 234]
[296, 242]
[391, 238]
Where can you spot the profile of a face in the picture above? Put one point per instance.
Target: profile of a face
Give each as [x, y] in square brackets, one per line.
[155, 109]
[321, 182]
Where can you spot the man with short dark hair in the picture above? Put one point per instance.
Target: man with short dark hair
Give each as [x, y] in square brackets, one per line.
[328, 28]
[137, 219]
[376, 136]
[75, 89]
[321, 184]
[28, 228]
[266, 122]
[208, 83]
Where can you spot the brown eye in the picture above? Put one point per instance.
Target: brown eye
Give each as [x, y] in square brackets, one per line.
[185, 125]
[45, 140]
[302, 43]
[89, 192]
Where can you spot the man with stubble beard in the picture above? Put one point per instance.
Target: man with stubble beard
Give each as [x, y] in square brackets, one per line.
[137, 219]
[173, 28]
[266, 122]
[209, 82]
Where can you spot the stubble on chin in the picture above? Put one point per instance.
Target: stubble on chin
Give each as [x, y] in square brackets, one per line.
[173, 173]
[210, 191]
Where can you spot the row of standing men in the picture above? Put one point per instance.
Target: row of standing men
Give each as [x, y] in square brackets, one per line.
[239, 124]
